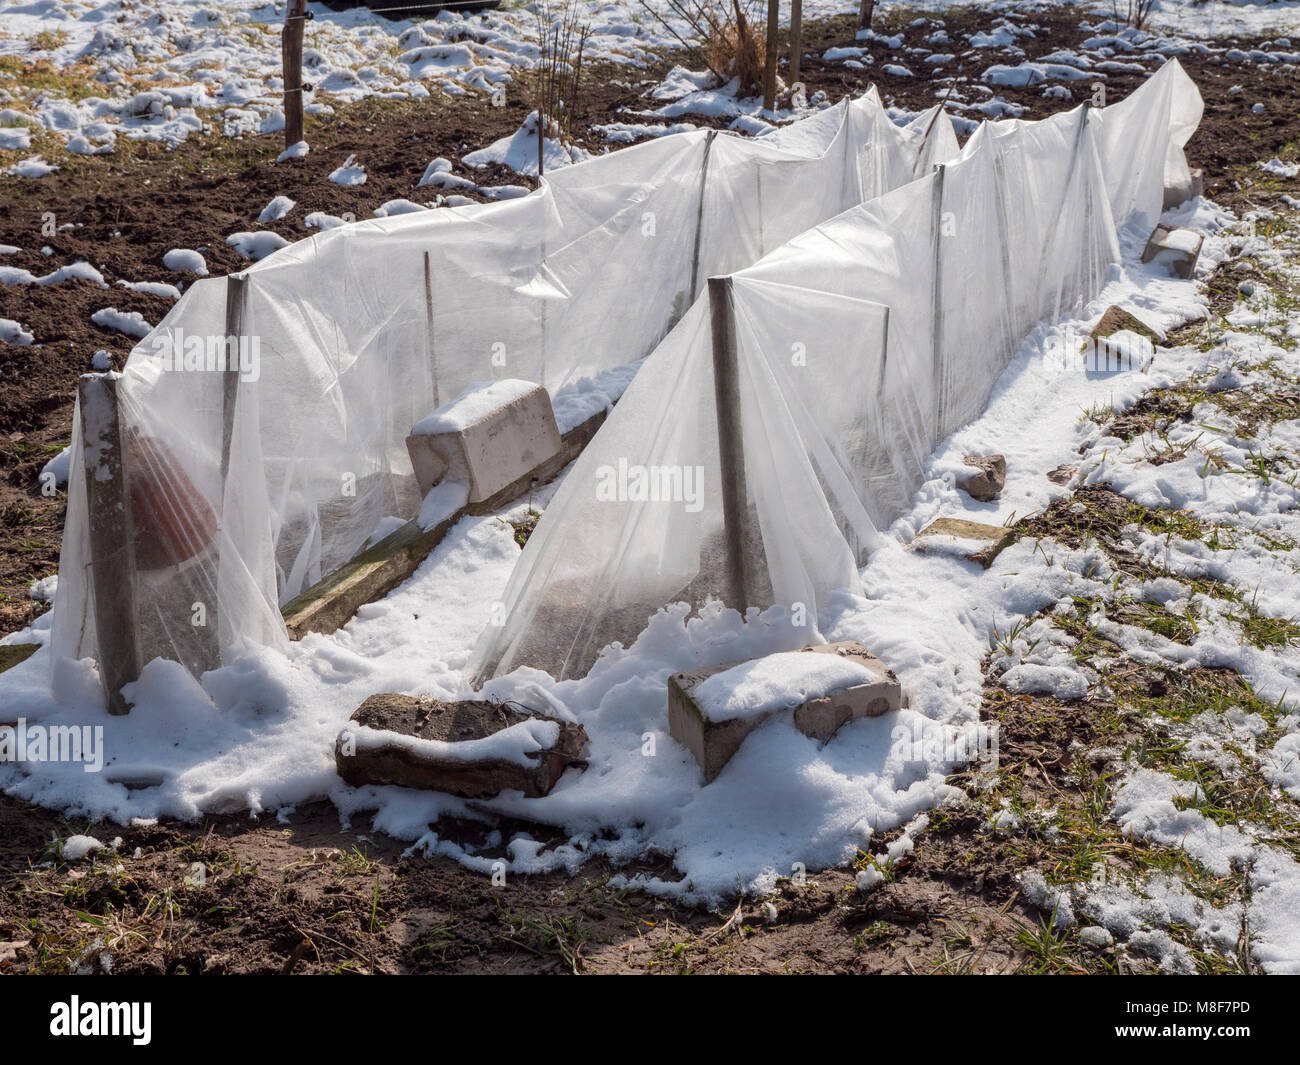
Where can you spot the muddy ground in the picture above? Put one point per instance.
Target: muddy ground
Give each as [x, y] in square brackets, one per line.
[234, 895]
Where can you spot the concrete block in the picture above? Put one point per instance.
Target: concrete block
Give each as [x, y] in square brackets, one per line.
[327, 605]
[474, 748]
[970, 540]
[859, 686]
[1176, 248]
[1176, 195]
[489, 437]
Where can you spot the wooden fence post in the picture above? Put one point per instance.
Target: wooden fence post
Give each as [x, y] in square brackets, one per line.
[112, 546]
[731, 443]
[429, 327]
[769, 65]
[236, 330]
[291, 60]
[699, 216]
[796, 40]
[936, 306]
[865, 11]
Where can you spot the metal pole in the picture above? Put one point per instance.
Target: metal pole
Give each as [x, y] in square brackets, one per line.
[731, 444]
[112, 544]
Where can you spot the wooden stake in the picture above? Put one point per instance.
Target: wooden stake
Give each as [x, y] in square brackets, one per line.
[796, 40]
[936, 305]
[291, 62]
[112, 549]
[428, 326]
[236, 314]
[699, 216]
[731, 444]
[864, 14]
[769, 66]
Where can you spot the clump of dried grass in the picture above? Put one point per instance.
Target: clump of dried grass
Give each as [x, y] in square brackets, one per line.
[726, 35]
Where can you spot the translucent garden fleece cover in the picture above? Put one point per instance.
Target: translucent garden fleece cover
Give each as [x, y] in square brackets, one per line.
[855, 349]
[245, 494]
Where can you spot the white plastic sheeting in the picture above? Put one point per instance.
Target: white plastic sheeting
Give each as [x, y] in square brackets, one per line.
[783, 425]
[262, 480]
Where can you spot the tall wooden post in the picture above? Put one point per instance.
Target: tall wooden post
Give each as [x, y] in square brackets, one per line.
[699, 216]
[291, 60]
[769, 65]
[731, 443]
[865, 11]
[429, 327]
[936, 307]
[796, 39]
[236, 331]
[112, 546]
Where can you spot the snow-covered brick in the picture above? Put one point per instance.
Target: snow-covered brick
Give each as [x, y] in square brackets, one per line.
[970, 540]
[1175, 248]
[713, 709]
[474, 749]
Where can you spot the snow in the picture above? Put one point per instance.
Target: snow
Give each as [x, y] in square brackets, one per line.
[132, 323]
[322, 220]
[18, 139]
[153, 288]
[472, 405]
[101, 361]
[75, 848]
[519, 151]
[444, 500]
[12, 332]
[1281, 169]
[180, 259]
[11, 275]
[57, 468]
[298, 150]
[276, 209]
[513, 744]
[775, 682]
[1182, 240]
[44, 590]
[257, 245]
[580, 400]
[33, 167]
[399, 206]
[350, 173]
